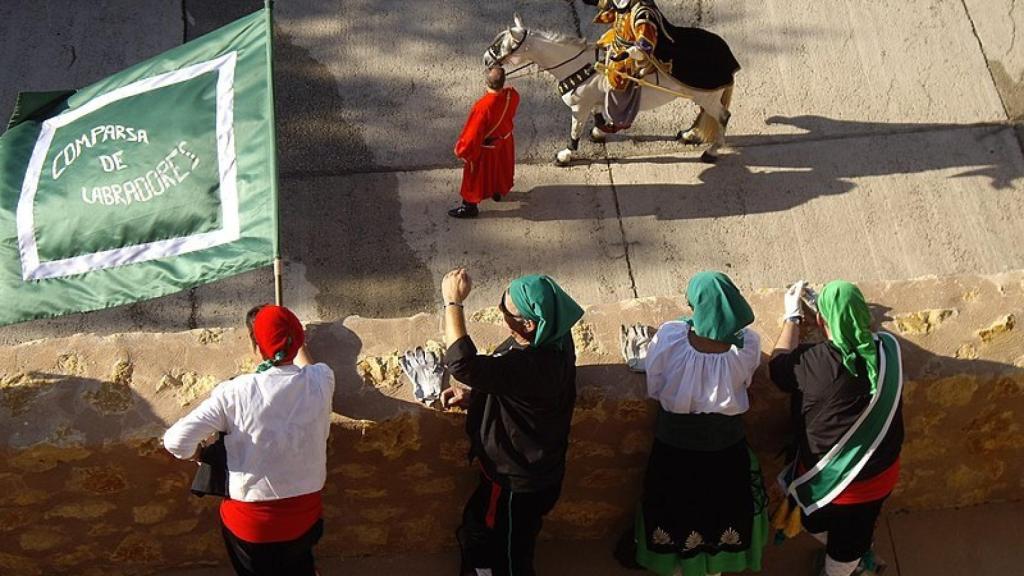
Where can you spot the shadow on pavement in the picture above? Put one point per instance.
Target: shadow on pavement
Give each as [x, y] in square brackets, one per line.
[791, 171]
[348, 239]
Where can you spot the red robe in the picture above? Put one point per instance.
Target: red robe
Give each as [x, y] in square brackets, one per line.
[488, 147]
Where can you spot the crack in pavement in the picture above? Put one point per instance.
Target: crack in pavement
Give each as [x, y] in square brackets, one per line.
[1013, 27]
[74, 55]
[184, 21]
[984, 56]
[622, 226]
[892, 541]
[193, 303]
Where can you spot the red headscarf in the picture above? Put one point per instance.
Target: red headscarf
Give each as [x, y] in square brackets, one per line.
[276, 329]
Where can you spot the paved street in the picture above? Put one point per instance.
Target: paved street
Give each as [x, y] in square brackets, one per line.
[853, 125]
[869, 140]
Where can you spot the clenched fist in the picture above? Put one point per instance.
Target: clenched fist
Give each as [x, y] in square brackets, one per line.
[456, 285]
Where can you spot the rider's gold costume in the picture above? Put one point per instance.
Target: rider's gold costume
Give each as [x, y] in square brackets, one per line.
[631, 40]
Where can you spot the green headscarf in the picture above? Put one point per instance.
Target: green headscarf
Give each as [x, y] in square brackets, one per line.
[720, 312]
[542, 300]
[846, 313]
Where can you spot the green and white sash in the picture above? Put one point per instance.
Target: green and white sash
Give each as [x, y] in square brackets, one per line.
[839, 467]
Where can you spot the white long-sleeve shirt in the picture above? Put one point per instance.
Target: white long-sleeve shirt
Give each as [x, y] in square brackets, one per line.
[686, 381]
[277, 423]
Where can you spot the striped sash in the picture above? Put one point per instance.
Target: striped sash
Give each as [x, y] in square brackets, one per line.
[839, 467]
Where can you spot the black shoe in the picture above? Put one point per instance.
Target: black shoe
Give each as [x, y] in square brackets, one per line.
[496, 197]
[464, 211]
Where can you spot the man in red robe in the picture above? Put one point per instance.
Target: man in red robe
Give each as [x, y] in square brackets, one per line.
[487, 146]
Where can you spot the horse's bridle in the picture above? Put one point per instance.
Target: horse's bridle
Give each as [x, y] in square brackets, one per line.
[493, 49]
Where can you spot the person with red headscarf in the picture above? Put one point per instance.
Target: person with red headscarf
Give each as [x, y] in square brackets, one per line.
[275, 424]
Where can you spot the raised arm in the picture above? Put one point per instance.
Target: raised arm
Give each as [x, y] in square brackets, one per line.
[789, 338]
[781, 366]
[481, 372]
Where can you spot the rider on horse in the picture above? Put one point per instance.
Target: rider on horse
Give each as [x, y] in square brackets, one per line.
[629, 52]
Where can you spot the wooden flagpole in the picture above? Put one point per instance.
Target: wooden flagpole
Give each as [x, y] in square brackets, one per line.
[278, 268]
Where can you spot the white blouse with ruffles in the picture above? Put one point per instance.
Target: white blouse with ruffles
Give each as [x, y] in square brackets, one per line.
[686, 381]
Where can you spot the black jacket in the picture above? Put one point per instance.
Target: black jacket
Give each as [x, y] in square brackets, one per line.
[829, 401]
[521, 410]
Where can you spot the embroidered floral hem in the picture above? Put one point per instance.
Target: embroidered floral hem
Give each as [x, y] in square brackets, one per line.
[704, 563]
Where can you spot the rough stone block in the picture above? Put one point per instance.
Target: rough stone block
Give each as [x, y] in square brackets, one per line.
[398, 474]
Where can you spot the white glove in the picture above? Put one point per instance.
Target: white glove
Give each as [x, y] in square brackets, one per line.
[794, 296]
[637, 53]
[811, 299]
[634, 341]
[425, 371]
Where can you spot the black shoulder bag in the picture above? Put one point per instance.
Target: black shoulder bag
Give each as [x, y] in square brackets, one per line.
[212, 477]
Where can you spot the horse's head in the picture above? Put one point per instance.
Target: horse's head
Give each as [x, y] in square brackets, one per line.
[509, 46]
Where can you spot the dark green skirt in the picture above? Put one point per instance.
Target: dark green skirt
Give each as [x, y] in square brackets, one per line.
[664, 552]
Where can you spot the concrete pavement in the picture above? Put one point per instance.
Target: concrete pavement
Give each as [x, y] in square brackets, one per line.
[888, 126]
[902, 206]
[880, 124]
[996, 24]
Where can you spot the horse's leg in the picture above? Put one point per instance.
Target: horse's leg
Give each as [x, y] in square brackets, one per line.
[564, 155]
[717, 119]
[694, 134]
[702, 127]
[593, 93]
[596, 134]
[575, 131]
[706, 126]
[715, 134]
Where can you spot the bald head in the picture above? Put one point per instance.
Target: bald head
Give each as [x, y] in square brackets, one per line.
[495, 78]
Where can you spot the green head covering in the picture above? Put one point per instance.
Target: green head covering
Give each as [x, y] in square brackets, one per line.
[720, 312]
[846, 313]
[542, 300]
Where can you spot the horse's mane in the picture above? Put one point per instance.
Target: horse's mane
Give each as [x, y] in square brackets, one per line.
[561, 38]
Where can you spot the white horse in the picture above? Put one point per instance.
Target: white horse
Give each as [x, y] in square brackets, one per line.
[567, 59]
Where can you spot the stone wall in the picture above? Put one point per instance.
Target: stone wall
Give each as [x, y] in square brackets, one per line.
[86, 488]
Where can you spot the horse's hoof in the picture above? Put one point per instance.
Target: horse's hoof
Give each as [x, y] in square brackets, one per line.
[563, 158]
[596, 135]
[709, 158]
[689, 137]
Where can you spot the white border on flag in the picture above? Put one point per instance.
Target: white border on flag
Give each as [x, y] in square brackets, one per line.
[230, 230]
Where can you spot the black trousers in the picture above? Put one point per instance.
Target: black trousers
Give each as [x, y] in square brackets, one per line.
[291, 558]
[850, 527]
[500, 527]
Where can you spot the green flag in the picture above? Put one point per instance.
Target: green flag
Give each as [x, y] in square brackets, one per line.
[148, 182]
